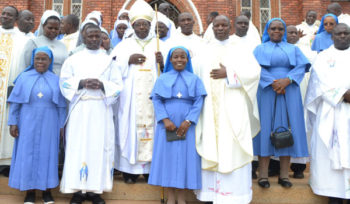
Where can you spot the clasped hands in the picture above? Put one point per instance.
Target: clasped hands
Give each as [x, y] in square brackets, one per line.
[279, 85]
[181, 131]
[91, 84]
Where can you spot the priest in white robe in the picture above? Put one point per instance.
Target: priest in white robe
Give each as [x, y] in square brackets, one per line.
[188, 39]
[70, 28]
[229, 119]
[209, 33]
[328, 106]
[11, 45]
[240, 37]
[25, 23]
[137, 61]
[91, 82]
[309, 28]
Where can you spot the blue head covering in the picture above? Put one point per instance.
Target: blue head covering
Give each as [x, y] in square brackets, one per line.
[43, 49]
[321, 29]
[266, 36]
[169, 66]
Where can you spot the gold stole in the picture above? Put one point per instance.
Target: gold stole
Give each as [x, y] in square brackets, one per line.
[143, 83]
[6, 45]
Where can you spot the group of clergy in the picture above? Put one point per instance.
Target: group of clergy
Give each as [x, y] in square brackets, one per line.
[183, 111]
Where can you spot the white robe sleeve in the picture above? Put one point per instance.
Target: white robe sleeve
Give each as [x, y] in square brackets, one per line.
[69, 84]
[112, 83]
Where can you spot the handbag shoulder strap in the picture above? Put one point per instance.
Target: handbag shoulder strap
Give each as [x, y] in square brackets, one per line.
[274, 113]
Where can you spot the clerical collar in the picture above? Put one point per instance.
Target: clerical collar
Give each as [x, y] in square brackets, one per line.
[222, 42]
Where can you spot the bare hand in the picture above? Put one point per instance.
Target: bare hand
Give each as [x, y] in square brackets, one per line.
[14, 130]
[219, 73]
[169, 125]
[159, 58]
[301, 33]
[137, 59]
[182, 130]
[347, 96]
[279, 85]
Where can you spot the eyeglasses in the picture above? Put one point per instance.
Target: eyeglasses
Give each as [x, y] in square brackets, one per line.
[277, 28]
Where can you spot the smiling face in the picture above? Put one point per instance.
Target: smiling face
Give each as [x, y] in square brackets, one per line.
[186, 23]
[41, 62]
[276, 31]
[179, 59]
[329, 23]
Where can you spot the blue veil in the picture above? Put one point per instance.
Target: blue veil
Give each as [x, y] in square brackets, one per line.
[321, 28]
[43, 49]
[266, 36]
[169, 66]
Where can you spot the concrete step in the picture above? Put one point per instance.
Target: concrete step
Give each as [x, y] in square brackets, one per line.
[142, 193]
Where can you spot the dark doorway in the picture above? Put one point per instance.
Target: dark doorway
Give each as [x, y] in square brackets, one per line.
[174, 13]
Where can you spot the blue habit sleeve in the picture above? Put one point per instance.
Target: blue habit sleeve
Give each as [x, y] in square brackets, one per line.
[196, 109]
[14, 113]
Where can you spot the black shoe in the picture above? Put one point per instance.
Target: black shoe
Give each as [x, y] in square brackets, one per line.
[130, 178]
[335, 200]
[264, 182]
[30, 197]
[254, 176]
[77, 198]
[146, 176]
[298, 175]
[47, 197]
[6, 171]
[95, 198]
[284, 182]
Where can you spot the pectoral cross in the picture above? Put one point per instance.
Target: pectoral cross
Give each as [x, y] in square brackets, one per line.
[40, 95]
[179, 95]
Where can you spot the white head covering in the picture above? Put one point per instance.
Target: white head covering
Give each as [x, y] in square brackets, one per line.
[47, 14]
[164, 19]
[95, 14]
[114, 33]
[80, 38]
[121, 12]
[141, 10]
[104, 30]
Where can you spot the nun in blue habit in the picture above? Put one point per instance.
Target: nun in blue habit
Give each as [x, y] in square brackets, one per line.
[283, 65]
[37, 113]
[323, 38]
[178, 97]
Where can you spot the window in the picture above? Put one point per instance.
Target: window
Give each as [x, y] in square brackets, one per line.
[57, 5]
[265, 13]
[246, 5]
[76, 7]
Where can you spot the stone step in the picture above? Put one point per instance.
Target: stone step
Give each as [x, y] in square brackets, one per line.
[142, 193]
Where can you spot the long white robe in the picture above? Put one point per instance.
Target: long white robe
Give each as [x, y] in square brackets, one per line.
[329, 122]
[253, 32]
[135, 110]
[11, 45]
[227, 125]
[209, 34]
[89, 160]
[309, 32]
[248, 42]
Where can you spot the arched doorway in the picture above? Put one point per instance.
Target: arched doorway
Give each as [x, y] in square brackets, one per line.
[174, 11]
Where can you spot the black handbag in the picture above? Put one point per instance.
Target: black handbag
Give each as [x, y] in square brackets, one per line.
[172, 136]
[281, 137]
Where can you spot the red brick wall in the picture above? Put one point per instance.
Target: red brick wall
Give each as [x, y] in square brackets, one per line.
[292, 11]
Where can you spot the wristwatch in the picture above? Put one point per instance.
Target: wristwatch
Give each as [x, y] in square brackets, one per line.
[189, 122]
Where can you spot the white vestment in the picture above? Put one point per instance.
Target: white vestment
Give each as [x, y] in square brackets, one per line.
[253, 32]
[344, 18]
[136, 122]
[228, 122]
[329, 122]
[309, 31]
[209, 34]
[89, 160]
[11, 45]
[195, 46]
[248, 42]
[70, 41]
